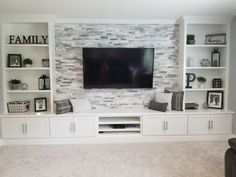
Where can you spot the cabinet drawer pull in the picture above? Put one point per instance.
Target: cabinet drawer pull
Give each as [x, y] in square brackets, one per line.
[164, 126]
[211, 124]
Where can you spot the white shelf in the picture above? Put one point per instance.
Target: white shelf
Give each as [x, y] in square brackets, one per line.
[28, 68]
[207, 111]
[119, 120]
[207, 68]
[204, 89]
[108, 134]
[205, 45]
[29, 114]
[28, 91]
[26, 45]
[107, 128]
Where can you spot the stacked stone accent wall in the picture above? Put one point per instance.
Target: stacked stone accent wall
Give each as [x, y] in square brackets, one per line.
[71, 38]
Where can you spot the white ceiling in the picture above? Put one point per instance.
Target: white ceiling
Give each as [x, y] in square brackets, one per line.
[121, 9]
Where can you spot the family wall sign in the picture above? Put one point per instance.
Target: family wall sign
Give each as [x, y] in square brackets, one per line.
[30, 39]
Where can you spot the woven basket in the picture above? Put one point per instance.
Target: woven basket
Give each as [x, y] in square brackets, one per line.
[18, 106]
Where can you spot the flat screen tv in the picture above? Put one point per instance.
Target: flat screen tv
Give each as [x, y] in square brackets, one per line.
[118, 67]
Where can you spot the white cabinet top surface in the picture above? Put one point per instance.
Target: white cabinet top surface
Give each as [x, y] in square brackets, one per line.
[118, 112]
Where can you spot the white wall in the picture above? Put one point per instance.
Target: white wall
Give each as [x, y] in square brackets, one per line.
[232, 72]
[1, 92]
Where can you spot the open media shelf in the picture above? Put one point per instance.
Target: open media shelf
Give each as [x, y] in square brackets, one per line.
[114, 125]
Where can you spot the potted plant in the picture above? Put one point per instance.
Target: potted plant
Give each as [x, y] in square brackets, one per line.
[201, 80]
[14, 84]
[27, 62]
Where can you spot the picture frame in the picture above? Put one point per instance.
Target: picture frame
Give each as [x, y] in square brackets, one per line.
[219, 39]
[40, 104]
[14, 60]
[215, 99]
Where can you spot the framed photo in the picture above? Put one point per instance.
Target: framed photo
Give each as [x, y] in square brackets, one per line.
[215, 99]
[212, 39]
[14, 60]
[40, 104]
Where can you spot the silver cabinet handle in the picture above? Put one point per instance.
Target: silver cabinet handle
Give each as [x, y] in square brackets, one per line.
[211, 124]
[26, 128]
[166, 125]
[71, 127]
[74, 128]
[23, 128]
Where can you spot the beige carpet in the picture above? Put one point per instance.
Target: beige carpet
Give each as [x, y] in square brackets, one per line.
[185, 159]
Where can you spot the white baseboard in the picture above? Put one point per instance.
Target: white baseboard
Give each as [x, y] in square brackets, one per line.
[112, 139]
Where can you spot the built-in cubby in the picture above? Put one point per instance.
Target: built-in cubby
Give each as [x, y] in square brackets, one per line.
[119, 125]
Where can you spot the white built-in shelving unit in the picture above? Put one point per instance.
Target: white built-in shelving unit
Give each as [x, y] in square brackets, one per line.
[200, 27]
[36, 52]
[93, 126]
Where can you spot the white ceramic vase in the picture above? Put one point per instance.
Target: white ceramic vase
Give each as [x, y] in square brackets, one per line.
[28, 65]
[201, 85]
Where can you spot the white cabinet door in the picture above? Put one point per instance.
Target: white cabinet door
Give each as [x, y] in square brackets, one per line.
[13, 128]
[153, 125]
[176, 125]
[61, 127]
[37, 127]
[198, 124]
[86, 126]
[221, 124]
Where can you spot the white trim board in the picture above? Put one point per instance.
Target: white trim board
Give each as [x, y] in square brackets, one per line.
[27, 18]
[114, 140]
[207, 19]
[117, 21]
[46, 17]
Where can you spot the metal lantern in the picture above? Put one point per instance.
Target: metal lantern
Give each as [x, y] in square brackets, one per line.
[44, 82]
[215, 58]
[47, 83]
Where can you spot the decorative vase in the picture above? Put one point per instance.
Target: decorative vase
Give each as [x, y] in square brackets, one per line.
[28, 65]
[201, 85]
[14, 86]
[190, 62]
[24, 86]
[204, 105]
[45, 62]
[205, 62]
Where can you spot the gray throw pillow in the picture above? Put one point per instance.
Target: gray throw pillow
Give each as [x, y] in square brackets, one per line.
[157, 106]
[63, 106]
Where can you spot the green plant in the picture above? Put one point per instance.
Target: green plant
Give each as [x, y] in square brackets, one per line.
[201, 79]
[15, 81]
[27, 61]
